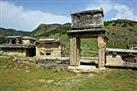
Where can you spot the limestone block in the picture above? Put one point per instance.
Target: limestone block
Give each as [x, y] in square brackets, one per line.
[87, 19]
[114, 60]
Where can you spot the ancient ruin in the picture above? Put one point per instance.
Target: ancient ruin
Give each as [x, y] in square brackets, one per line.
[87, 24]
[49, 47]
[19, 46]
[29, 40]
[121, 58]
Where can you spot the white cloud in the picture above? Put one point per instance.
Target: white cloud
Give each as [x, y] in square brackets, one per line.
[12, 16]
[122, 11]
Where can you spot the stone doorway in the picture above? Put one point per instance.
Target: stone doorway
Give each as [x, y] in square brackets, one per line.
[87, 24]
[76, 35]
[88, 51]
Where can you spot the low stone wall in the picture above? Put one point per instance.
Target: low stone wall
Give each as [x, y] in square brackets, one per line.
[21, 53]
[121, 58]
[121, 61]
[53, 63]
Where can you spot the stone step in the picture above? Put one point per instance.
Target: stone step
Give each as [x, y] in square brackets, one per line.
[83, 69]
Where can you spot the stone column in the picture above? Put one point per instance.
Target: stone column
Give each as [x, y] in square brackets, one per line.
[101, 51]
[17, 41]
[74, 51]
[10, 41]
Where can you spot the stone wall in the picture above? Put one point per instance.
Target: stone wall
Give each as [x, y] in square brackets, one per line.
[48, 50]
[119, 61]
[28, 42]
[53, 63]
[21, 53]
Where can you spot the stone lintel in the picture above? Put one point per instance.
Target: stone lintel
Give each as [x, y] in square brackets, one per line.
[87, 33]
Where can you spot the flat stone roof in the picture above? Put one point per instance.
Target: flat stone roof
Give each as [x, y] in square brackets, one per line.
[28, 38]
[121, 50]
[13, 36]
[48, 40]
[95, 11]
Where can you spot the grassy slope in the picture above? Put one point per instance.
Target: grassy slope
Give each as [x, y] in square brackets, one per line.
[121, 33]
[16, 78]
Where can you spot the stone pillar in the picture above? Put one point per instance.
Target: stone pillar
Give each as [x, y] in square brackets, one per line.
[37, 51]
[74, 51]
[17, 41]
[101, 51]
[10, 41]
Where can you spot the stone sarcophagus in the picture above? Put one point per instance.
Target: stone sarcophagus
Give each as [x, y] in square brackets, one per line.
[87, 19]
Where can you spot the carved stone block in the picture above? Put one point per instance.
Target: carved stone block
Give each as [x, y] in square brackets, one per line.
[87, 19]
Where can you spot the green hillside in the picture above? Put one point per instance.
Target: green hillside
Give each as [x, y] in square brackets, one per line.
[121, 33]
[46, 30]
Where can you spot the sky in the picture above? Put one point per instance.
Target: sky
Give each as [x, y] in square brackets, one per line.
[27, 15]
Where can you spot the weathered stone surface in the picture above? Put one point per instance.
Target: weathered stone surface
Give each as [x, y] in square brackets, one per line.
[27, 71]
[87, 24]
[114, 60]
[101, 51]
[42, 80]
[50, 81]
[83, 69]
[118, 61]
[55, 64]
[87, 19]
[74, 51]
[49, 47]
[121, 57]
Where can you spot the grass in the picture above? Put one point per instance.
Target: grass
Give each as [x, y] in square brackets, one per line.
[24, 77]
[116, 80]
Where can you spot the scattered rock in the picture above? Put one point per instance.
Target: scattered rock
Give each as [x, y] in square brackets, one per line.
[14, 58]
[90, 75]
[50, 81]
[26, 67]
[79, 74]
[14, 68]
[83, 69]
[10, 66]
[42, 80]
[27, 71]
[4, 66]
[18, 69]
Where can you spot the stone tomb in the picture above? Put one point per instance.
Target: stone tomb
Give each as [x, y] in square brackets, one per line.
[87, 19]
[87, 24]
[121, 58]
[49, 47]
[15, 47]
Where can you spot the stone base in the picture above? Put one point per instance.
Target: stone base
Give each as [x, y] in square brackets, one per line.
[83, 69]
